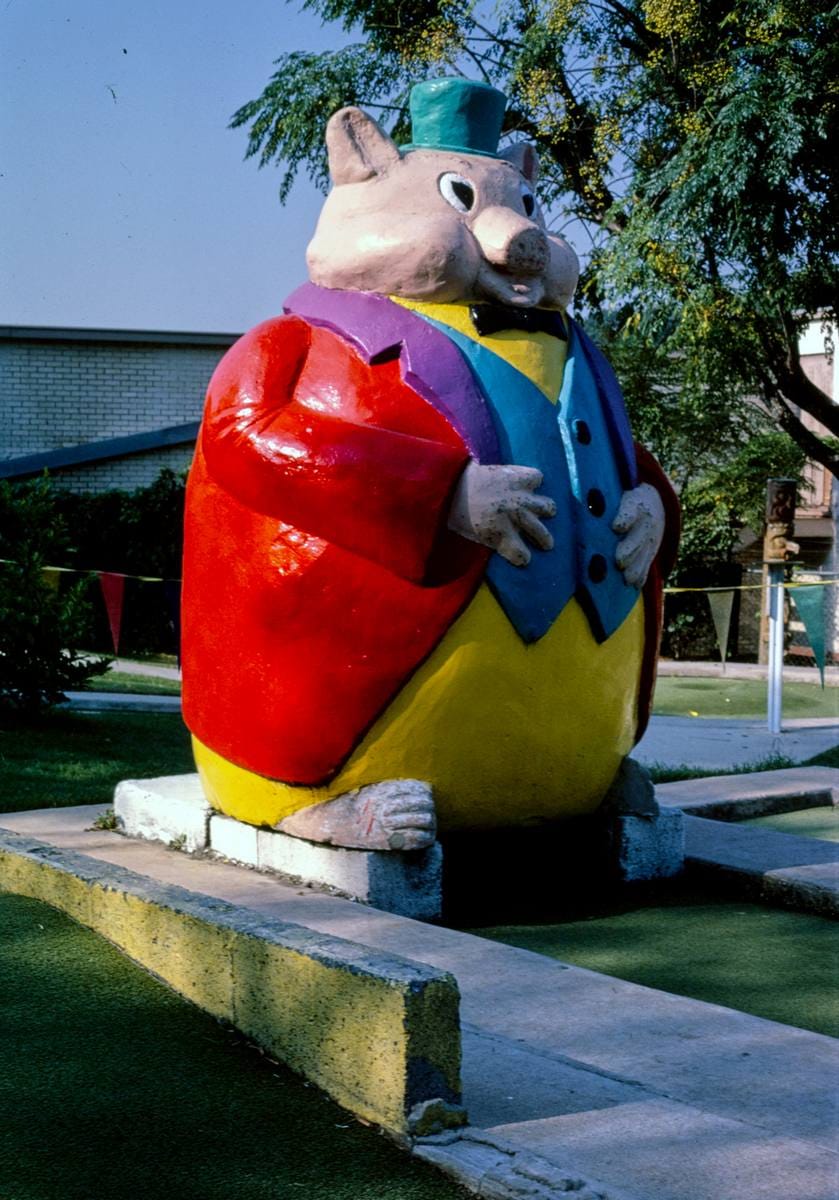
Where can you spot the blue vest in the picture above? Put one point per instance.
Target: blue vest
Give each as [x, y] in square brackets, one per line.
[584, 449]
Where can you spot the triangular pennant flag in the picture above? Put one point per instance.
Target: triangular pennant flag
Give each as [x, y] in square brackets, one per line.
[113, 593]
[51, 577]
[172, 592]
[721, 604]
[810, 604]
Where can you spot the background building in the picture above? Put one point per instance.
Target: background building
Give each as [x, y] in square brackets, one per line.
[102, 408]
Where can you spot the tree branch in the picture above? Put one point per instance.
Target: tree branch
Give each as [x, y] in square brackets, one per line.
[810, 442]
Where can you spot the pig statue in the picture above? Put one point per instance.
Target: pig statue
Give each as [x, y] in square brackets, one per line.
[423, 560]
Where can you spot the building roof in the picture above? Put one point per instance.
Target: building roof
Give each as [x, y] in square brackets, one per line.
[157, 337]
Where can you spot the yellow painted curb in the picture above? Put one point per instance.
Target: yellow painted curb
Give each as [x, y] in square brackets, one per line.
[378, 1033]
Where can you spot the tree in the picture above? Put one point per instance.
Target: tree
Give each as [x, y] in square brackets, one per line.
[695, 144]
[40, 625]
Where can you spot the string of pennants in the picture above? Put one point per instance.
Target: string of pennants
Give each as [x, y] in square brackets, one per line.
[808, 598]
[112, 585]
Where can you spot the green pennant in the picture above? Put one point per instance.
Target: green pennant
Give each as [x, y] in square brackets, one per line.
[810, 604]
[721, 604]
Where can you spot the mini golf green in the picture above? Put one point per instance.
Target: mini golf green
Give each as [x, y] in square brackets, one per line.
[820, 822]
[769, 962]
[114, 1088]
[683, 696]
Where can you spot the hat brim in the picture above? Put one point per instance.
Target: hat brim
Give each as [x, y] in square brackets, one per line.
[449, 149]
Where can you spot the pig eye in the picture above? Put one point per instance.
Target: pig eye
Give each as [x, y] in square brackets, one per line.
[457, 191]
[528, 200]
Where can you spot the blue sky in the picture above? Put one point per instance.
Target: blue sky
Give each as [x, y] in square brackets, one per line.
[125, 201]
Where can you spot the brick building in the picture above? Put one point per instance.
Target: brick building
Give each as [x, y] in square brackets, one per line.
[102, 408]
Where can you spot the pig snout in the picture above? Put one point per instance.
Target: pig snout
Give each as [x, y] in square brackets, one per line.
[510, 242]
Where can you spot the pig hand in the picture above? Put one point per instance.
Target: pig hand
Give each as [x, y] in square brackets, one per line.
[497, 506]
[641, 518]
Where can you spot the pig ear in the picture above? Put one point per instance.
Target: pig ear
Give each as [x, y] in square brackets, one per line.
[524, 158]
[358, 148]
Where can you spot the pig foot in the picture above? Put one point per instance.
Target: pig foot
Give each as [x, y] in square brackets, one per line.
[397, 814]
[632, 792]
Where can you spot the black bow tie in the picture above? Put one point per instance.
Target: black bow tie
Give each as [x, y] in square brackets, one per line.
[490, 318]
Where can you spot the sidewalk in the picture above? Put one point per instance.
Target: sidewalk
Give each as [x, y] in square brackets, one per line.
[702, 742]
[719, 744]
[734, 670]
[668, 667]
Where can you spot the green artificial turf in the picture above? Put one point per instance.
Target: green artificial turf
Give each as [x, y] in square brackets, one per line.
[138, 685]
[822, 822]
[69, 758]
[114, 1088]
[769, 962]
[703, 697]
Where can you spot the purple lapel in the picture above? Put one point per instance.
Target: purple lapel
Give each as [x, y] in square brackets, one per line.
[430, 362]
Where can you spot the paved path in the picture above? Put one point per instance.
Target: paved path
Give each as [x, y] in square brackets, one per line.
[700, 742]
[153, 670]
[668, 667]
[711, 744]
[647, 1095]
[715, 670]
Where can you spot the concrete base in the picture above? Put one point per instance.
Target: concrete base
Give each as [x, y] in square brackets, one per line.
[648, 847]
[173, 809]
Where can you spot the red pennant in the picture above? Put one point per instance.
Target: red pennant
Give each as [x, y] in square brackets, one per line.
[113, 593]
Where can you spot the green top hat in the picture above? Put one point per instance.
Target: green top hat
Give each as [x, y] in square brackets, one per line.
[456, 114]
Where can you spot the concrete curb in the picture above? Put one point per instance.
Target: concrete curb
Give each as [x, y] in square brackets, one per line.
[491, 1168]
[377, 1032]
[778, 868]
[752, 794]
[801, 873]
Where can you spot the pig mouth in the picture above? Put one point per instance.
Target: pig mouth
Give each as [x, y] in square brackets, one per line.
[520, 291]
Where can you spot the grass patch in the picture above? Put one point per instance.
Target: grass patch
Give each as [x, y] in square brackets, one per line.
[112, 1086]
[138, 685]
[78, 758]
[769, 962]
[674, 774]
[678, 696]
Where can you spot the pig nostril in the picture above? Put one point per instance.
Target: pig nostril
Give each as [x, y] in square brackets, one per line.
[527, 252]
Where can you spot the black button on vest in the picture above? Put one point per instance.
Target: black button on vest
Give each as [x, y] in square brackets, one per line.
[582, 431]
[596, 502]
[597, 568]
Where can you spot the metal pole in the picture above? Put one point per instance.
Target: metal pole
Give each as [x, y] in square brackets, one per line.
[777, 550]
[775, 670]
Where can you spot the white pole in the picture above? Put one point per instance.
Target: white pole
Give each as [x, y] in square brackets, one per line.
[776, 646]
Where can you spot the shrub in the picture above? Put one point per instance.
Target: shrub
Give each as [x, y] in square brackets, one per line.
[41, 625]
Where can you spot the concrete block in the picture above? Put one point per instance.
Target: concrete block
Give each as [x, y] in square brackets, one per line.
[171, 809]
[407, 884]
[378, 1032]
[233, 839]
[649, 848]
